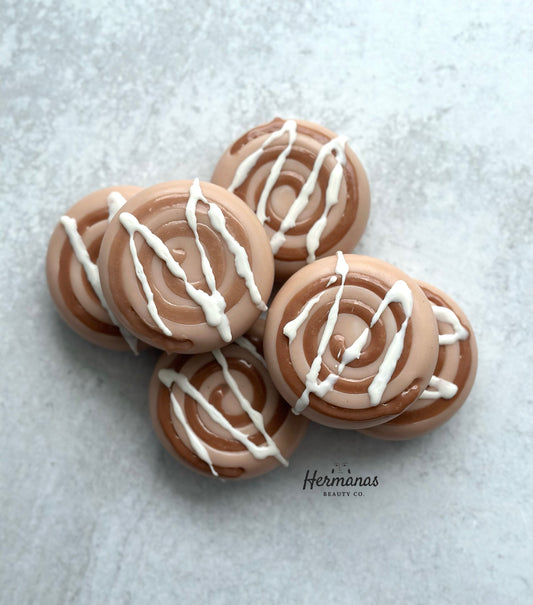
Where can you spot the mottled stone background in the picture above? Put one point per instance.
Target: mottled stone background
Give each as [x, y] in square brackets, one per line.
[437, 97]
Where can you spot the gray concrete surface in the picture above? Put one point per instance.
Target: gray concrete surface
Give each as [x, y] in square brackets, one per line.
[438, 100]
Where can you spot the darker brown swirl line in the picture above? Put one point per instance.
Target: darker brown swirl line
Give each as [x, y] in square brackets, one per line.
[216, 393]
[372, 352]
[295, 181]
[96, 220]
[177, 306]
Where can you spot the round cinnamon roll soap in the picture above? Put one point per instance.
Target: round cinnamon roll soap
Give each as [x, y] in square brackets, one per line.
[186, 267]
[350, 341]
[220, 414]
[452, 379]
[71, 270]
[306, 185]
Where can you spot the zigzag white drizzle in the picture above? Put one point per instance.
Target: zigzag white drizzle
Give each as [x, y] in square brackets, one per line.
[260, 452]
[400, 293]
[277, 240]
[311, 384]
[445, 388]
[351, 353]
[115, 201]
[446, 315]
[212, 304]
[93, 275]
[300, 203]
[291, 327]
[244, 168]
[242, 262]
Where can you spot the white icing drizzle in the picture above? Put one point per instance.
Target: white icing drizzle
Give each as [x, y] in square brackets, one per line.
[291, 327]
[93, 275]
[168, 377]
[399, 293]
[115, 201]
[132, 226]
[444, 389]
[448, 316]
[300, 203]
[212, 304]
[242, 262]
[332, 197]
[195, 194]
[270, 449]
[243, 170]
[277, 240]
[351, 353]
[311, 384]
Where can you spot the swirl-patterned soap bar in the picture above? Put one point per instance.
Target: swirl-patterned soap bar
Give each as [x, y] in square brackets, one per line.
[220, 414]
[452, 378]
[306, 185]
[186, 267]
[72, 273]
[351, 341]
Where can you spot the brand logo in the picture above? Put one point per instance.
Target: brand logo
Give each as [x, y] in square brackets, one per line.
[339, 476]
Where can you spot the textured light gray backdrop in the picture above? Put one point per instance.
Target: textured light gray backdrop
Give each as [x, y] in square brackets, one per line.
[437, 98]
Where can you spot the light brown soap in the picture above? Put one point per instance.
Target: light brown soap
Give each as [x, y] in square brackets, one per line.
[306, 185]
[76, 299]
[347, 292]
[219, 413]
[456, 365]
[185, 266]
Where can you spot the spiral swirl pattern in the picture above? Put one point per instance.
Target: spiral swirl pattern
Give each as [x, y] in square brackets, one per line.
[452, 379]
[186, 267]
[351, 348]
[72, 274]
[220, 414]
[306, 185]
